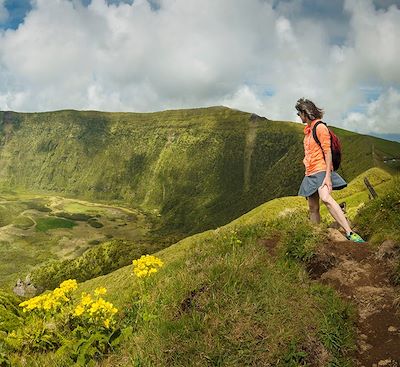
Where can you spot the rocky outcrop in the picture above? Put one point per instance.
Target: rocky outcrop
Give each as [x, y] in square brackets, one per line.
[25, 288]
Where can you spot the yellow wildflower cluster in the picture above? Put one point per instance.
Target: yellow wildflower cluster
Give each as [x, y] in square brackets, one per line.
[69, 285]
[96, 310]
[53, 300]
[146, 265]
[99, 291]
[233, 239]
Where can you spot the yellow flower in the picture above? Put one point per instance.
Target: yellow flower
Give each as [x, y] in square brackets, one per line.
[79, 310]
[107, 323]
[69, 285]
[86, 299]
[93, 309]
[143, 273]
[100, 290]
[23, 304]
[34, 303]
[52, 300]
[47, 304]
[13, 334]
[146, 265]
[59, 293]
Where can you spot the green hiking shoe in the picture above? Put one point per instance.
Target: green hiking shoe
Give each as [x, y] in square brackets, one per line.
[352, 236]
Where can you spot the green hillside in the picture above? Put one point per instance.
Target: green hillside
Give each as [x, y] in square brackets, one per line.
[197, 169]
[237, 295]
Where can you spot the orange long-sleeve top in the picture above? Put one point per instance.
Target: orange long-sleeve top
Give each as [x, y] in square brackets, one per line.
[314, 160]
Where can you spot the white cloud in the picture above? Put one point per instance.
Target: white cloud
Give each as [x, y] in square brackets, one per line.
[241, 53]
[381, 115]
[181, 55]
[373, 39]
[245, 99]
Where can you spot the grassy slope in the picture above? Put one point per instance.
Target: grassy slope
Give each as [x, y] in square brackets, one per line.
[223, 302]
[156, 161]
[380, 219]
[49, 275]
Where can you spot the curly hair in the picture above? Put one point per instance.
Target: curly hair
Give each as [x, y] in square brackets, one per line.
[309, 108]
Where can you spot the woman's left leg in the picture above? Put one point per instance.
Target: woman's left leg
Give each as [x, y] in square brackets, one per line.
[334, 208]
[313, 206]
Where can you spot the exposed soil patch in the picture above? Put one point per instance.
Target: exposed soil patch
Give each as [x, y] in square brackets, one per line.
[361, 276]
[317, 355]
[192, 300]
[320, 264]
[271, 244]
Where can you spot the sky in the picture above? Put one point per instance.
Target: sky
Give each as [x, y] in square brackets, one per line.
[258, 56]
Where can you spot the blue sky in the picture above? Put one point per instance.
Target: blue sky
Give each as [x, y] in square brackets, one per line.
[18, 9]
[254, 55]
[332, 9]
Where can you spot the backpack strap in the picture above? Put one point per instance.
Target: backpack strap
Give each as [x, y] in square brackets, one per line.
[314, 133]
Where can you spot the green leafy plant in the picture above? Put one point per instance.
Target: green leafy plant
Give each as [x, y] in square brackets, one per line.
[87, 345]
[294, 357]
[79, 332]
[143, 269]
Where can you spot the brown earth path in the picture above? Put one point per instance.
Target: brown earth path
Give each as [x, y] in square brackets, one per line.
[362, 276]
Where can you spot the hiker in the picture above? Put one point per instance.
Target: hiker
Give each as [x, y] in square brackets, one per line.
[320, 178]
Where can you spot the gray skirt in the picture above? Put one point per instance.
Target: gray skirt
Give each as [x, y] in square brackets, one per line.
[311, 184]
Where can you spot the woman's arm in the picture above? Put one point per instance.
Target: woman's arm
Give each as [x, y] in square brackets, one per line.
[325, 139]
[328, 180]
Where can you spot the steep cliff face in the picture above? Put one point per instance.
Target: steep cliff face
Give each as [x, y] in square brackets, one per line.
[198, 168]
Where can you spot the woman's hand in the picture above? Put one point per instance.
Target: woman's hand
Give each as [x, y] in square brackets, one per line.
[327, 182]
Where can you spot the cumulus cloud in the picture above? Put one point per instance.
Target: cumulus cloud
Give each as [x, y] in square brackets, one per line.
[253, 55]
[381, 115]
[177, 56]
[373, 48]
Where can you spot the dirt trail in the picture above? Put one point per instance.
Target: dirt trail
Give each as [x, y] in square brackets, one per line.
[362, 275]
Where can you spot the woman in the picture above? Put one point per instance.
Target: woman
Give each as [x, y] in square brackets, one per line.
[320, 178]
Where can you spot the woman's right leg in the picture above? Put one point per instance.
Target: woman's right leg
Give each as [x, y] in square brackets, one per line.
[313, 205]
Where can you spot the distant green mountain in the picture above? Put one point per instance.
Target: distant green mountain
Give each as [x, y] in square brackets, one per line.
[197, 168]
